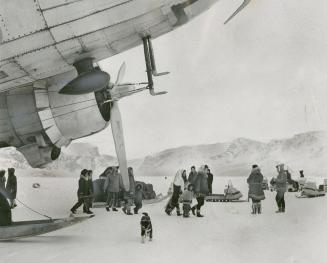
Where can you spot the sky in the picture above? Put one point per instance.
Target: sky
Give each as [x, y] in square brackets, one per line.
[262, 76]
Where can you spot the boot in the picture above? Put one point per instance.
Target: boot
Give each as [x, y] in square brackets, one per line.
[89, 212]
[107, 208]
[124, 210]
[193, 210]
[178, 213]
[279, 210]
[115, 209]
[198, 214]
[168, 212]
[253, 209]
[283, 209]
[259, 208]
[73, 211]
[135, 211]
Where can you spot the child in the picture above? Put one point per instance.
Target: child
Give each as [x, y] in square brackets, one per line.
[186, 199]
[146, 227]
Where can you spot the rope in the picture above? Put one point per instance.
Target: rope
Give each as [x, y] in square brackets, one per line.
[33, 210]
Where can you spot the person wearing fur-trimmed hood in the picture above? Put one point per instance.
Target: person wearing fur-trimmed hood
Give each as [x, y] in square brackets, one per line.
[178, 183]
[201, 189]
[256, 192]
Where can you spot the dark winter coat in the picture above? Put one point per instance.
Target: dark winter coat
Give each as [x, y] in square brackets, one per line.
[131, 183]
[177, 191]
[11, 186]
[281, 182]
[2, 181]
[5, 211]
[255, 185]
[201, 184]
[90, 187]
[138, 196]
[114, 182]
[83, 187]
[210, 179]
[192, 177]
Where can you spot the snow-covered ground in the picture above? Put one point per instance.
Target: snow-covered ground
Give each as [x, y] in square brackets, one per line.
[227, 233]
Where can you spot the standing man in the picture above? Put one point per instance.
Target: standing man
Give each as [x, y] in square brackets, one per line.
[129, 195]
[5, 210]
[281, 182]
[192, 176]
[113, 185]
[200, 189]
[2, 179]
[210, 181]
[11, 187]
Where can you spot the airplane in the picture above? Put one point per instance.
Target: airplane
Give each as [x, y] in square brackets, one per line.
[52, 90]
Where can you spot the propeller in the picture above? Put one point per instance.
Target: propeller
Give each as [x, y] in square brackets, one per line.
[238, 10]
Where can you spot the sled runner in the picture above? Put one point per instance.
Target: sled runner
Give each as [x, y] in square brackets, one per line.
[156, 200]
[225, 198]
[24, 229]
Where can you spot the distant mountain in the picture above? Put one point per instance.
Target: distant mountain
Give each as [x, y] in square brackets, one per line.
[307, 151]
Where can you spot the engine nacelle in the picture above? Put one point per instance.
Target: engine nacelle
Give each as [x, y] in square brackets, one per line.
[38, 121]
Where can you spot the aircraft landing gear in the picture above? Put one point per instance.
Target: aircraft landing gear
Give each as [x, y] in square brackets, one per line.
[150, 63]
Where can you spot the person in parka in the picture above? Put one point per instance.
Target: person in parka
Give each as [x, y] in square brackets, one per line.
[192, 176]
[82, 193]
[5, 209]
[138, 197]
[129, 195]
[201, 190]
[186, 198]
[90, 191]
[113, 185]
[256, 192]
[2, 179]
[177, 191]
[281, 185]
[11, 186]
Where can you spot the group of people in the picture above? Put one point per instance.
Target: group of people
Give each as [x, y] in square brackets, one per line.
[8, 190]
[85, 192]
[257, 194]
[198, 184]
[114, 190]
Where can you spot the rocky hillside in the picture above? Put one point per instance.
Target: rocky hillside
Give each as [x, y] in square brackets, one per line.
[307, 151]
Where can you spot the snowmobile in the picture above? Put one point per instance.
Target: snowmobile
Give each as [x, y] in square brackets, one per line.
[24, 229]
[230, 194]
[310, 190]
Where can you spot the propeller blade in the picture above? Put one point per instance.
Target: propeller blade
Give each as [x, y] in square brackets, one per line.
[121, 74]
[238, 10]
[118, 135]
[86, 83]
